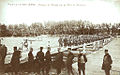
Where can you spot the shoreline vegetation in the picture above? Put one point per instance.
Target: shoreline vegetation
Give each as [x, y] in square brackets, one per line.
[71, 27]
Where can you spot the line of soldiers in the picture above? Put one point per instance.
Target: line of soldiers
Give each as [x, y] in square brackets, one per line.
[78, 40]
[42, 63]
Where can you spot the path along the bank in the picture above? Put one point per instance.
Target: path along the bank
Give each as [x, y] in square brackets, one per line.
[93, 66]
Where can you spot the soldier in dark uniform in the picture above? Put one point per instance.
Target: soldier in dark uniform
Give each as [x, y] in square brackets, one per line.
[1, 66]
[1, 57]
[69, 62]
[76, 41]
[15, 61]
[107, 61]
[60, 42]
[30, 60]
[3, 53]
[59, 61]
[40, 59]
[65, 41]
[47, 61]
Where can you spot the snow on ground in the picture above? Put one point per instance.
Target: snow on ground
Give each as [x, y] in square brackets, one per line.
[93, 66]
[35, 43]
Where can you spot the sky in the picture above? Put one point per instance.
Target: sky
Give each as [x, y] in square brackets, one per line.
[30, 11]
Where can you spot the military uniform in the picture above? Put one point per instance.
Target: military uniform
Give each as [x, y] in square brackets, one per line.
[30, 61]
[69, 62]
[81, 63]
[59, 62]
[15, 61]
[40, 61]
[47, 62]
[106, 66]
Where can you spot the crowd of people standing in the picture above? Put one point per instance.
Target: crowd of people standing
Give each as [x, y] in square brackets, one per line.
[43, 62]
[72, 40]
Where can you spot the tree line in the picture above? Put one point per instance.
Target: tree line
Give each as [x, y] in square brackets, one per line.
[63, 27]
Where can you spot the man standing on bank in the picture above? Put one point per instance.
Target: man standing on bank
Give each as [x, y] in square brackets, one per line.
[59, 61]
[107, 61]
[81, 63]
[69, 63]
[48, 61]
[3, 53]
[31, 60]
[15, 60]
[40, 59]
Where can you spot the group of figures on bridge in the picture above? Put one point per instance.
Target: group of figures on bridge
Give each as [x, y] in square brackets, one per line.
[78, 40]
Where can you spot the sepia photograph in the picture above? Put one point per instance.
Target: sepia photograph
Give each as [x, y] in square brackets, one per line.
[59, 37]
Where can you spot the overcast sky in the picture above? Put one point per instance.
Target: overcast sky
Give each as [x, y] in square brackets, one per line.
[96, 11]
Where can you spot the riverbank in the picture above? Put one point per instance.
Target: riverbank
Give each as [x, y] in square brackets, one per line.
[93, 66]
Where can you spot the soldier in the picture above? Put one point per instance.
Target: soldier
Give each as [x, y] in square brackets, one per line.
[30, 60]
[1, 56]
[60, 42]
[1, 66]
[40, 59]
[65, 41]
[15, 60]
[81, 63]
[3, 53]
[69, 62]
[76, 41]
[47, 61]
[107, 61]
[59, 61]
